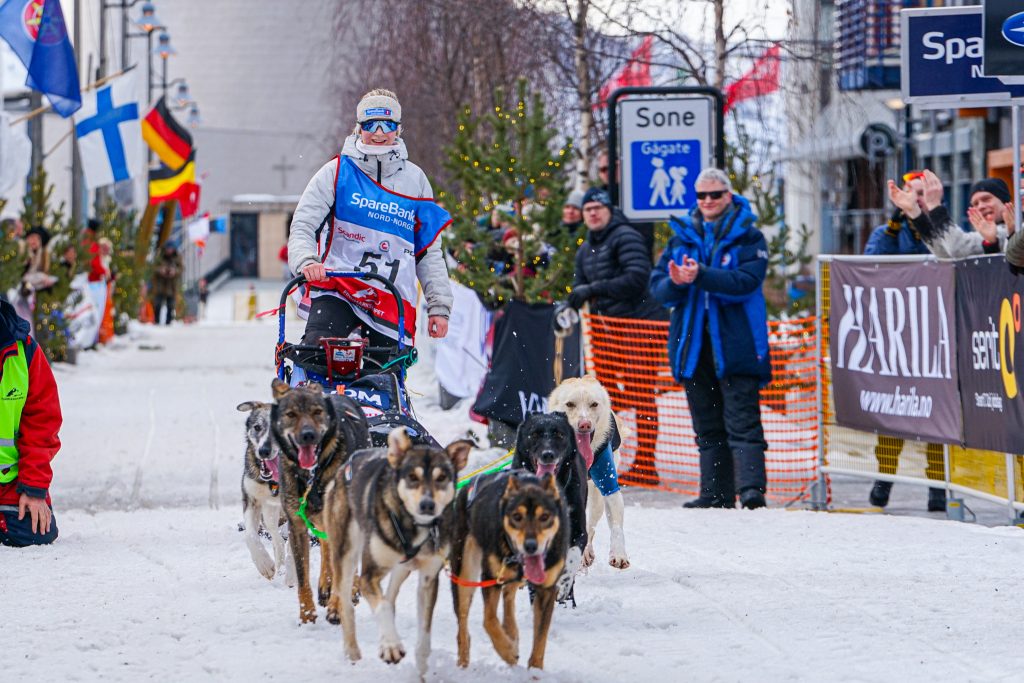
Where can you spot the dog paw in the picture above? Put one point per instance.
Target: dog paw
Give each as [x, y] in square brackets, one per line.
[307, 616]
[323, 595]
[392, 652]
[619, 561]
[353, 653]
[333, 617]
[589, 555]
[264, 564]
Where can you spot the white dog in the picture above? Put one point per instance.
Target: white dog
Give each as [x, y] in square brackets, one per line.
[260, 501]
[589, 409]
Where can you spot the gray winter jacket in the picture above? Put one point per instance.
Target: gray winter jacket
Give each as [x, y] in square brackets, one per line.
[395, 172]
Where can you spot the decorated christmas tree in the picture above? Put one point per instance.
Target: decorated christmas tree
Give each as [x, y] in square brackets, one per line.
[119, 227]
[11, 261]
[49, 316]
[507, 234]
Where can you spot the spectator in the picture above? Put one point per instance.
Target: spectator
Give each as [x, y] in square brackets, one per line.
[612, 270]
[37, 260]
[900, 237]
[711, 275]
[572, 212]
[282, 256]
[990, 213]
[645, 229]
[28, 436]
[166, 279]
[68, 261]
[97, 271]
[204, 295]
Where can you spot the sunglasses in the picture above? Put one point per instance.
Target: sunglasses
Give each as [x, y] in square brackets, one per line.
[714, 194]
[912, 175]
[602, 169]
[384, 125]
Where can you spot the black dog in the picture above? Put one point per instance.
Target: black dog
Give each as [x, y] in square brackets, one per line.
[546, 444]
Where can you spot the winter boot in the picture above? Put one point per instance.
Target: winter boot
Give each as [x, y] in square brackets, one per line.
[752, 499]
[708, 502]
[879, 496]
[936, 500]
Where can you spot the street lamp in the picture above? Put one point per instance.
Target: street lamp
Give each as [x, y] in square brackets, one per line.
[148, 23]
[193, 116]
[183, 97]
[164, 49]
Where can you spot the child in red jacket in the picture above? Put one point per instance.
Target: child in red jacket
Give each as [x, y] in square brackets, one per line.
[30, 418]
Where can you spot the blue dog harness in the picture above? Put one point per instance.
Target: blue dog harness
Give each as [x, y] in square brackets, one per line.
[603, 473]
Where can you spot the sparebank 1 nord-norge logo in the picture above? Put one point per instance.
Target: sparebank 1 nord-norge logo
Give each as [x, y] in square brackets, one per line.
[1013, 29]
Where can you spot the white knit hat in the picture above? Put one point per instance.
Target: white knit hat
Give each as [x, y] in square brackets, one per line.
[378, 107]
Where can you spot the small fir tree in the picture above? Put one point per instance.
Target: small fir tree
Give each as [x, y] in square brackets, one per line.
[505, 161]
[49, 317]
[119, 227]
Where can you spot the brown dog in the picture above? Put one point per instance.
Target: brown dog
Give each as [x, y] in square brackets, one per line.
[510, 528]
[316, 433]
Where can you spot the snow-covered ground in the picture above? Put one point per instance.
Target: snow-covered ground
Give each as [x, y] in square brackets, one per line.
[150, 580]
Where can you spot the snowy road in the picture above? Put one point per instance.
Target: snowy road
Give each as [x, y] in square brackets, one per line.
[151, 581]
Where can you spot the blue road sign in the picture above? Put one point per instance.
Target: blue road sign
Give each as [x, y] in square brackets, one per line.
[663, 174]
[942, 53]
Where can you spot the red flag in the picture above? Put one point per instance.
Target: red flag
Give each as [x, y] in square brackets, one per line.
[763, 78]
[636, 72]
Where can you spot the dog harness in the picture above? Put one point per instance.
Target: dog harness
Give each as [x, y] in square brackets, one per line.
[603, 473]
[13, 392]
[411, 551]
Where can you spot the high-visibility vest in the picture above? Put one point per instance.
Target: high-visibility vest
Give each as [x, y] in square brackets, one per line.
[13, 391]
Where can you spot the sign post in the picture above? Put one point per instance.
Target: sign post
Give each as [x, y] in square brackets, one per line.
[660, 139]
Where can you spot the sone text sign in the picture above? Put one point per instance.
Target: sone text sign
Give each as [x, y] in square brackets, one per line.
[665, 142]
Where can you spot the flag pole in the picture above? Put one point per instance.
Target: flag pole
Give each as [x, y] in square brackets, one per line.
[76, 159]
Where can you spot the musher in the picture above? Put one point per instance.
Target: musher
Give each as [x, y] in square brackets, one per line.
[30, 418]
[371, 210]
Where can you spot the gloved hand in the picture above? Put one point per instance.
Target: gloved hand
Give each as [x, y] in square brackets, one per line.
[579, 296]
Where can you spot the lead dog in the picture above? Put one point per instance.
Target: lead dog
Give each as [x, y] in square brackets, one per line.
[588, 407]
[316, 433]
[260, 501]
[510, 528]
[391, 507]
[546, 444]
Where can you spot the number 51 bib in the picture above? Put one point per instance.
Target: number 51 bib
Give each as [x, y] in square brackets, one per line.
[378, 231]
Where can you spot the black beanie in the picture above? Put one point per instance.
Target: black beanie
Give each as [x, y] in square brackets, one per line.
[994, 186]
[597, 194]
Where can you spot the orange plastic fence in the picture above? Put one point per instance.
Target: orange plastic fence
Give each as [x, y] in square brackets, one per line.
[630, 358]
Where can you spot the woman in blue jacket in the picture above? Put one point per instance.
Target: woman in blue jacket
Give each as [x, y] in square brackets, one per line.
[710, 275]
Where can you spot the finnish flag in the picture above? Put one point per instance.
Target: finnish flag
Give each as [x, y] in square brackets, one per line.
[109, 132]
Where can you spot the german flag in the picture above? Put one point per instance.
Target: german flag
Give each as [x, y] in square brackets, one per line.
[166, 137]
[166, 183]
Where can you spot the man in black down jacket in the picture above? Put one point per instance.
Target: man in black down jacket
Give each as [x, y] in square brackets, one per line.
[613, 267]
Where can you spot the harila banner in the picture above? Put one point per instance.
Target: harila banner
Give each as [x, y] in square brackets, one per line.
[988, 302]
[893, 349]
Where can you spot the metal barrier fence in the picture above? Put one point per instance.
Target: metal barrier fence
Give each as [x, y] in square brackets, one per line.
[630, 359]
[996, 477]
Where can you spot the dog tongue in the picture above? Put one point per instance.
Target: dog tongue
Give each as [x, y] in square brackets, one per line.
[583, 444]
[275, 471]
[533, 569]
[549, 468]
[307, 457]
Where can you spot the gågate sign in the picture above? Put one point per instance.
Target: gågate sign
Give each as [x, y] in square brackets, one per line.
[662, 138]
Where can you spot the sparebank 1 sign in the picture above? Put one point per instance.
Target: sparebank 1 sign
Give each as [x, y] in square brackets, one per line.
[942, 51]
[664, 143]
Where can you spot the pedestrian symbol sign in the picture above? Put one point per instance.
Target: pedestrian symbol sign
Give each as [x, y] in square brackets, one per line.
[664, 173]
[665, 142]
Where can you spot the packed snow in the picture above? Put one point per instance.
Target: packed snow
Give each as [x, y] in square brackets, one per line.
[151, 580]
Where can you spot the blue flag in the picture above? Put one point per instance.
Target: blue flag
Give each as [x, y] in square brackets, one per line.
[36, 31]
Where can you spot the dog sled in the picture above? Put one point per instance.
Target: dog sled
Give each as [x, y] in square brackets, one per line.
[373, 376]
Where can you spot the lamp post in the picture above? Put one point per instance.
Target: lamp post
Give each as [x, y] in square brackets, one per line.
[148, 23]
[164, 49]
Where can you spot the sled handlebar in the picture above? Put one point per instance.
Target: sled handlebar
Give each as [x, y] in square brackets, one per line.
[300, 279]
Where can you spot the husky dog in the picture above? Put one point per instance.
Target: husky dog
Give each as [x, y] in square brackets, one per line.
[316, 434]
[546, 444]
[391, 508]
[510, 527]
[588, 407]
[260, 502]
